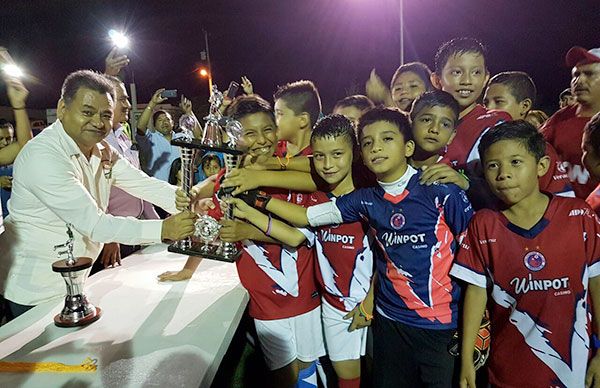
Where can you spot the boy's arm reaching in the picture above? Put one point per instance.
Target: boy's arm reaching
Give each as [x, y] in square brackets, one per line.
[244, 179]
[185, 273]
[271, 228]
[473, 309]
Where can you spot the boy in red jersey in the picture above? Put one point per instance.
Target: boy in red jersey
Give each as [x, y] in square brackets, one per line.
[538, 258]
[344, 253]
[590, 146]
[460, 69]
[565, 128]
[514, 92]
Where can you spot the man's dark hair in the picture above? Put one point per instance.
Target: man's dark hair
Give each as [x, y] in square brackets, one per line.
[334, 126]
[6, 124]
[300, 97]
[87, 79]
[358, 101]
[435, 98]
[519, 84]
[390, 115]
[519, 130]
[592, 130]
[158, 113]
[420, 69]
[457, 46]
[247, 105]
[565, 93]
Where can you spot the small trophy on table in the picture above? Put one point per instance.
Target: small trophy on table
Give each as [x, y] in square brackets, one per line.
[205, 241]
[77, 310]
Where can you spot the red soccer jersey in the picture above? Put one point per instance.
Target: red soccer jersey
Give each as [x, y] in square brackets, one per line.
[538, 280]
[463, 152]
[281, 150]
[345, 260]
[556, 180]
[564, 131]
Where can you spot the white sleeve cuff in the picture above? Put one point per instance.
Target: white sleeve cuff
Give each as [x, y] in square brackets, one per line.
[594, 269]
[468, 275]
[324, 214]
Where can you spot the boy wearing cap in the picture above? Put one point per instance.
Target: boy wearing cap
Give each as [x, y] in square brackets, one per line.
[564, 129]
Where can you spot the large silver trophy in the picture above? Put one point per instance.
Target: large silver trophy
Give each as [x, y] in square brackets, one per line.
[205, 241]
[77, 310]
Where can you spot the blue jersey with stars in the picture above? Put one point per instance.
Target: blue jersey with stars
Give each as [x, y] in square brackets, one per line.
[418, 232]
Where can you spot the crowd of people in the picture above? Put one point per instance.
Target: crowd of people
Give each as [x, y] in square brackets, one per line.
[411, 228]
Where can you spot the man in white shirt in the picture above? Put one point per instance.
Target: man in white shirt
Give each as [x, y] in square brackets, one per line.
[64, 175]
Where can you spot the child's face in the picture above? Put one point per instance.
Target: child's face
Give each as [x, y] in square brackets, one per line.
[211, 168]
[434, 128]
[288, 123]
[384, 150]
[464, 76]
[590, 157]
[260, 134]
[512, 172]
[332, 157]
[352, 113]
[499, 97]
[406, 89]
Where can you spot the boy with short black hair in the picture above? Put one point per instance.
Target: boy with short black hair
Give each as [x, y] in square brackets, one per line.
[590, 145]
[538, 259]
[460, 69]
[416, 227]
[514, 93]
[297, 108]
[353, 107]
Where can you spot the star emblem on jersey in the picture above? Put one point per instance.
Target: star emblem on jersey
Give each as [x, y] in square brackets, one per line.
[534, 261]
[397, 221]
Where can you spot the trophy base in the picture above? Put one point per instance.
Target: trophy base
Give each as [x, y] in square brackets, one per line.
[212, 252]
[61, 320]
[80, 264]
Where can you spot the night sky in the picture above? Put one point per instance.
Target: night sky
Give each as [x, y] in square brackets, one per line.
[335, 43]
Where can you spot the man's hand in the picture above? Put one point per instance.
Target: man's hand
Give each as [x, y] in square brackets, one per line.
[5, 182]
[157, 98]
[115, 62]
[592, 376]
[111, 255]
[243, 180]
[358, 320]
[247, 86]
[467, 375]
[202, 190]
[182, 200]
[233, 231]
[178, 226]
[376, 89]
[175, 276]
[186, 106]
[442, 173]
[17, 93]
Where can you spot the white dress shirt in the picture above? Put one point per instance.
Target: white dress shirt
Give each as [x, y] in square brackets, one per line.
[54, 183]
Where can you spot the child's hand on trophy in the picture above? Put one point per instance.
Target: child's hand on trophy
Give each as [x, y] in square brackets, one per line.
[243, 180]
[241, 209]
[182, 200]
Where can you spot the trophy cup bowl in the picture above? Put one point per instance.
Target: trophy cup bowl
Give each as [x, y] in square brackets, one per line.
[205, 242]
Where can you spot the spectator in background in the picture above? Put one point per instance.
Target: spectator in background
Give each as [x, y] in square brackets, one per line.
[564, 130]
[566, 98]
[352, 107]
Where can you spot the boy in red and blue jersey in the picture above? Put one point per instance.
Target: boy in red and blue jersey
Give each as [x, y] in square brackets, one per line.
[537, 260]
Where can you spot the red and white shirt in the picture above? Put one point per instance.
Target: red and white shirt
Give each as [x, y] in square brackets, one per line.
[538, 280]
[345, 260]
[564, 131]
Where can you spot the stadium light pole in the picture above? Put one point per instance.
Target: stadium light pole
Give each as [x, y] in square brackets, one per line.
[401, 3]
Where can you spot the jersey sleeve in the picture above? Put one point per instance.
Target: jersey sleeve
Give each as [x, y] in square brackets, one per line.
[471, 261]
[591, 225]
[458, 211]
[352, 206]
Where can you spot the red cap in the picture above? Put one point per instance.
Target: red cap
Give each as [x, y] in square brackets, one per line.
[580, 56]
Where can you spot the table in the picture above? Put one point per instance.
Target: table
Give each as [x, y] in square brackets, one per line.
[150, 333]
